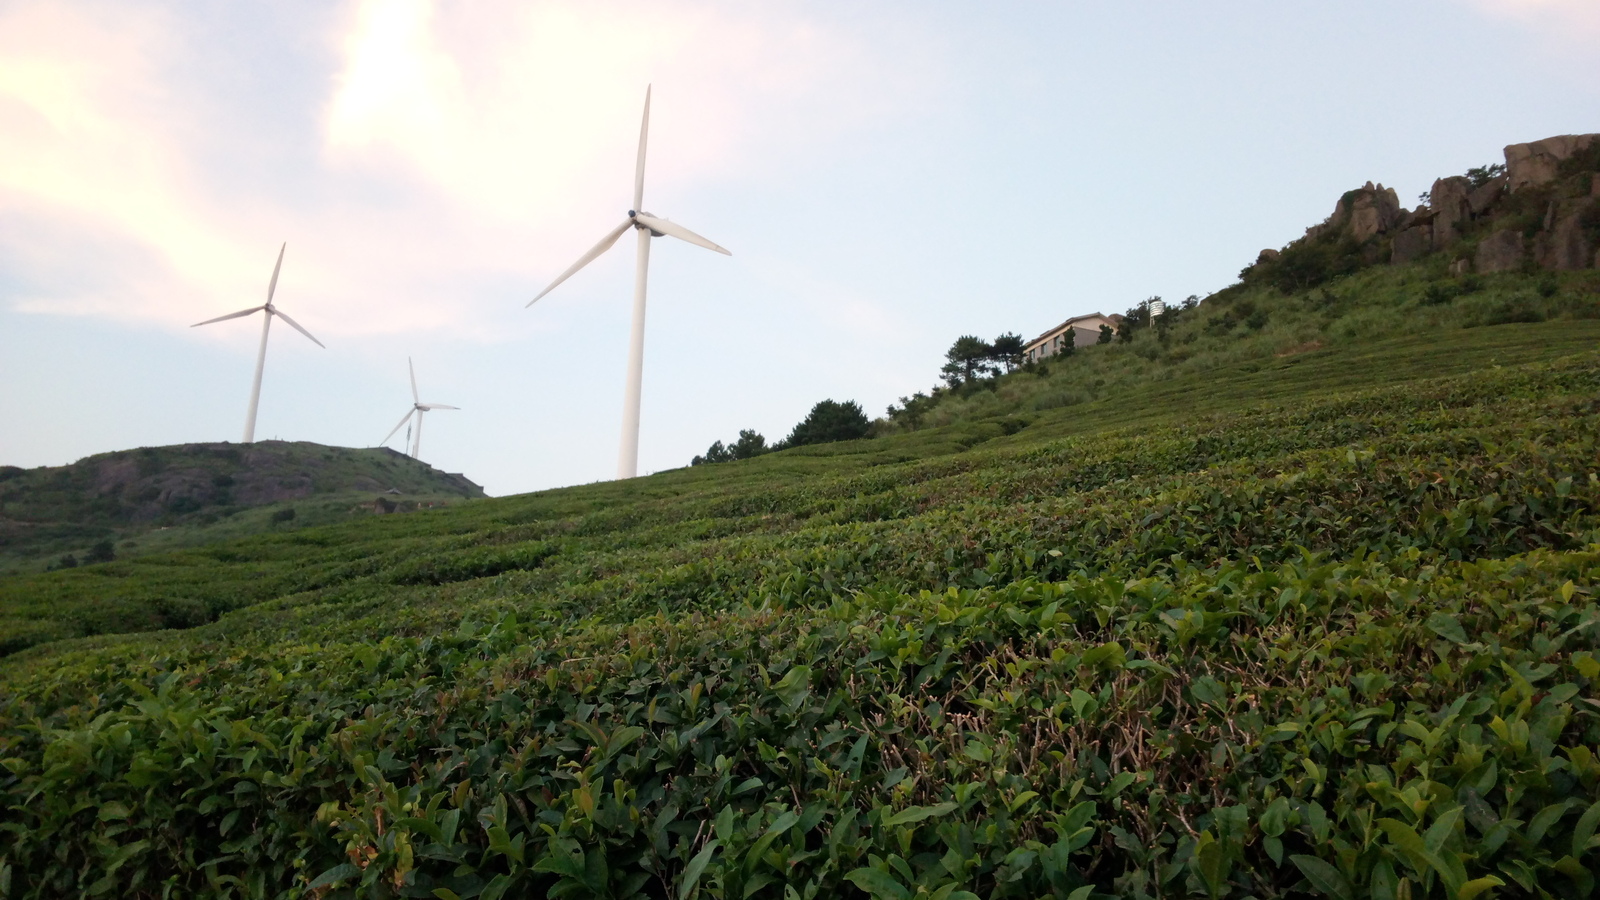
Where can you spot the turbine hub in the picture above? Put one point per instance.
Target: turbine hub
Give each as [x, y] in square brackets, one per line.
[632, 213]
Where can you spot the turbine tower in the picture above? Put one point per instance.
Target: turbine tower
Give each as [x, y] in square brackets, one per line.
[261, 355]
[647, 226]
[417, 409]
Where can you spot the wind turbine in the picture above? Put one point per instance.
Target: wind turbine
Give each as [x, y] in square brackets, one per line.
[417, 409]
[261, 356]
[647, 226]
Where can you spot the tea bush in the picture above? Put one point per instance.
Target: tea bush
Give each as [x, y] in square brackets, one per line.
[1340, 644]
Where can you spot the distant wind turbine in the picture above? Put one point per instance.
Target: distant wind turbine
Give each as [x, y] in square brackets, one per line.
[261, 356]
[417, 409]
[647, 226]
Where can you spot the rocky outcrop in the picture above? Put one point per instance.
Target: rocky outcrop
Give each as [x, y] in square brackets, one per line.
[1413, 242]
[1566, 245]
[1499, 252]
[1451, 208]
[1484, 196]
[1541, 207]
[1373, 210]
[1539, 162]
[1364, 212]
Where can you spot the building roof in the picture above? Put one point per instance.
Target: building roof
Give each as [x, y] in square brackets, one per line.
[1114, 318]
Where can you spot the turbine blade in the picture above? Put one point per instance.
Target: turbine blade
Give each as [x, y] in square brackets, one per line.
[436, 406]
[403, 420]
[677, 231]
[414, 397]
[272, 285]
[603, 246]
[242, 312]
[638, 172]
[296, 326]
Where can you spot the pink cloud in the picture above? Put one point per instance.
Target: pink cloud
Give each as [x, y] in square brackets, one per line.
[495, 136]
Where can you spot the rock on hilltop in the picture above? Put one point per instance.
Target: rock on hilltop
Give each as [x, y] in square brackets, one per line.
[1540, 209]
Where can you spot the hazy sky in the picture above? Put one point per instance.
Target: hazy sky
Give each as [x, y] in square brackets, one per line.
[888, 176]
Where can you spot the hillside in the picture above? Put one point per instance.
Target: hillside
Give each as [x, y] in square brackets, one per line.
[1300, 604]
[1168, 651]
[1514, 242]
[165, 497]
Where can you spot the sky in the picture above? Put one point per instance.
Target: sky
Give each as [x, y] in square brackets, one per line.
[888, 177]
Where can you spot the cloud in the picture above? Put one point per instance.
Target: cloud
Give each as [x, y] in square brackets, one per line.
[77, 156]
[1573, 22]
[450, 150]
[515, 110]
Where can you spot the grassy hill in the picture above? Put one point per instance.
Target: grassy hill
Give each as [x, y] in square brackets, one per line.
[1245, 623]
[160, 498]
[1251, 329]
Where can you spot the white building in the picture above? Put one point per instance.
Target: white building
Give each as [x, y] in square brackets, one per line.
[1085, 333]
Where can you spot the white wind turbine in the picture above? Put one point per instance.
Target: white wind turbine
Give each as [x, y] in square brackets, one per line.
[647, 226]
[261, 356]
[417, 409]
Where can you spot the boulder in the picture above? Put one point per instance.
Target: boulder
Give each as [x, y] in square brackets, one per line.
[1453, 210]
[1460, 267]
[1484, 196]
[1499, 252]
[1267, 255]
[1364, 212]
[1412, 243]
[1566, 246]
[1536, 163]
[1369, 211]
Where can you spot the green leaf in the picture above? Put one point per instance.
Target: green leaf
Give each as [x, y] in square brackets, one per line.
[795, 686]
[691, 872]
[500, 842]
[341, 872]
[1586, 664]
[878, 883]
[422, 826]
[560, 863]
[1410, 844]
[1477, 886]
[1584, 830]
[497, 888]
[1208, 690]
[1106, 656]
[1323, 876]
[113, 810]
[918, 813]
[1448, 627]
[1545, 818]
[1081, 893]
[1442, 829]
[446, 894]
[779, 826]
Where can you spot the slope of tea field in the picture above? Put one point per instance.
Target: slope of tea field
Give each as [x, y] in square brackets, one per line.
[1320, 626]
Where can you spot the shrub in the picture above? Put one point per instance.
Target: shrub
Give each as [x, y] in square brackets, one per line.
[283, 515]
[829, 421]
[1309, 262]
